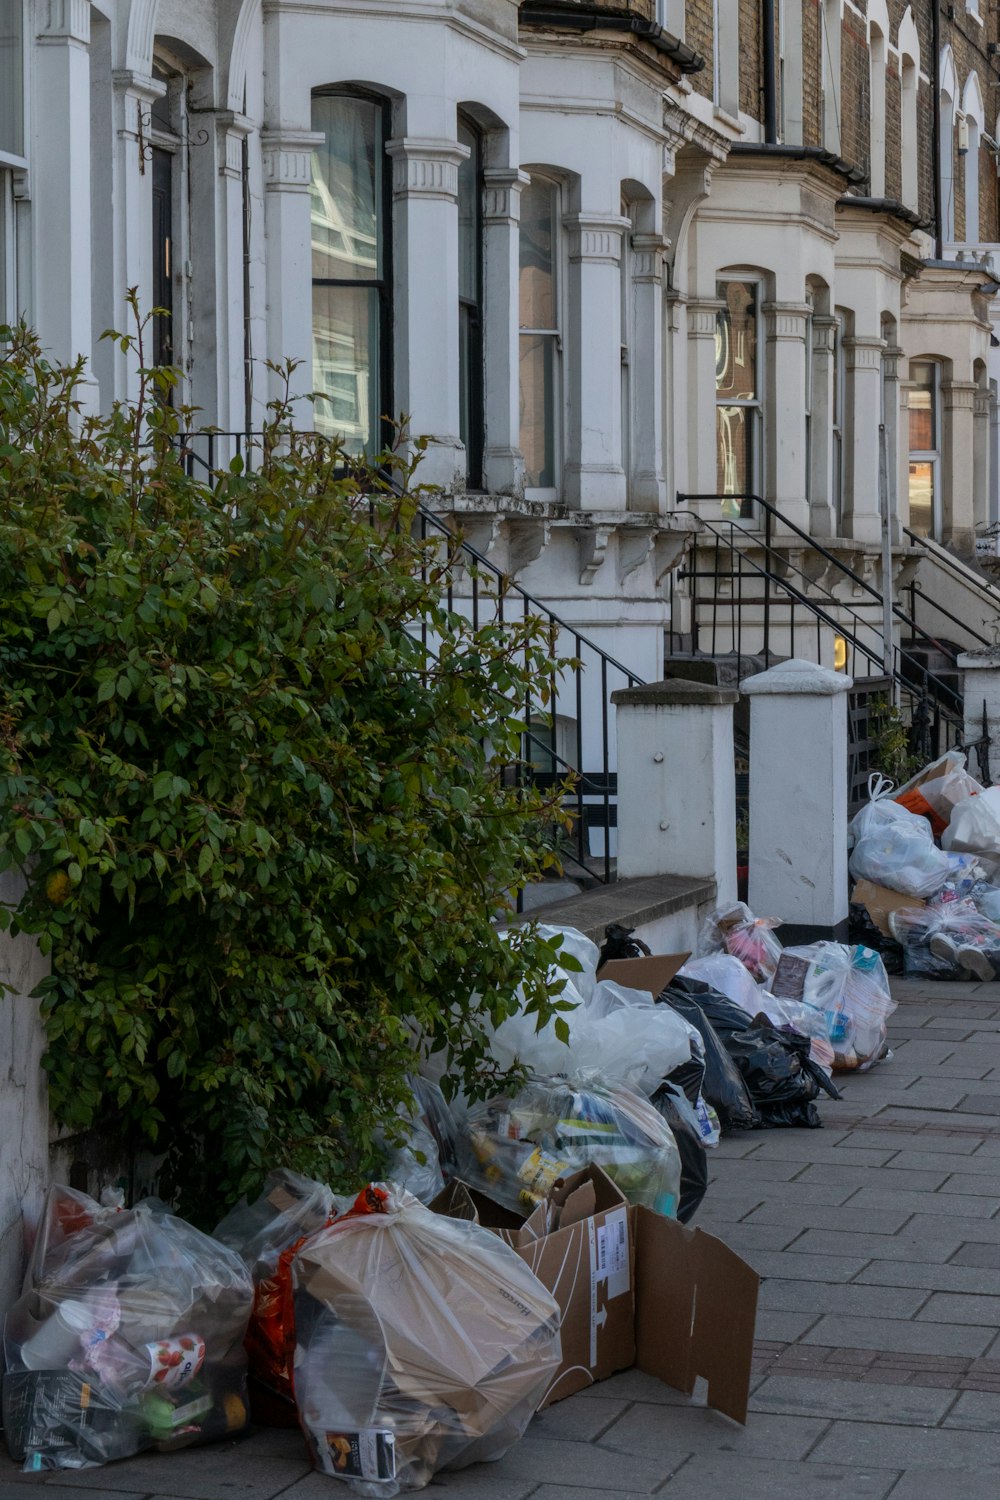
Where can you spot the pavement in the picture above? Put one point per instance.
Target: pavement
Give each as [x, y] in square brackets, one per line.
[878, 1357]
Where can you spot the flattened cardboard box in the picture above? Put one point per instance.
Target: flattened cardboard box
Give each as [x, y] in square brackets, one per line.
[880, 903]
[634, 1288]
[653, 972]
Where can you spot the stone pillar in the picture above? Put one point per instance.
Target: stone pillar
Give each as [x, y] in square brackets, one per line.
[957, 514]
[24, 1108]
[798, 799]
[702, 460]
[593, 476]
[677, 782]
[60, 185]
[132, 223]
[232, 131]
[822, 511]
[287, 224]
[425, 194]
[502, 461]
[785, 371]
[981, 689]
[863, 355]
[647, 490]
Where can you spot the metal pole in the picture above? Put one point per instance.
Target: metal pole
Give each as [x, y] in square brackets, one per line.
[888, 654]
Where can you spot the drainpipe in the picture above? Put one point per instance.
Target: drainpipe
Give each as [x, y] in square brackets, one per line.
[770, 79]
[936, 118]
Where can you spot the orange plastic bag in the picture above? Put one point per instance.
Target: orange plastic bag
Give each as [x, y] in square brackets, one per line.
[916, 802]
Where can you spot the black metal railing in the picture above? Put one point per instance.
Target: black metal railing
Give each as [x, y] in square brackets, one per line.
[569, 743]
[749, 597]
[988, 597]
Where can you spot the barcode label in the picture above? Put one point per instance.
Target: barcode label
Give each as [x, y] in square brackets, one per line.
[612, 1252]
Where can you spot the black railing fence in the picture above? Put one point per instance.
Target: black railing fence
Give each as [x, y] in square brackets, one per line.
[986, 598]
[569, 742]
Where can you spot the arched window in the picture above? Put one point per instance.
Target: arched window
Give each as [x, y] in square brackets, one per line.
[876, 136]
[470, 301]
[739, 426]
[351, 269]
[925, 447]
[539, 293]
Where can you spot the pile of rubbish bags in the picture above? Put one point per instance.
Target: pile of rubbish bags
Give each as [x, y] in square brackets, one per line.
[926, 859]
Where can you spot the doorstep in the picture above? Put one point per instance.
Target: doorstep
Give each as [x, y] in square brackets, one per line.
[647, 902]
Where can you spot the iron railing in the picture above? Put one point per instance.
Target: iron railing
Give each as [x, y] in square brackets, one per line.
[918, 596]
[748, 596]
[571, 743]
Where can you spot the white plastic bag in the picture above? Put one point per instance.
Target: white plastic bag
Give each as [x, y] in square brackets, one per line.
[729, 976]
[850, 987]
[894, 847]
[975, 825]
[736, 931]
[938, 789]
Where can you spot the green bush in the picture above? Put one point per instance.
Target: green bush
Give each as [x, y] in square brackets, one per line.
[263, 827]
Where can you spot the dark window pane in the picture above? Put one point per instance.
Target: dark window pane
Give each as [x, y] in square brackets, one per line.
[922, 498]
[736, 341]
[537, 274]
[537, 398]
[347, 190]
[346, 374]
[468, 217]
[734, 449]
[11, 78]
[163, 271]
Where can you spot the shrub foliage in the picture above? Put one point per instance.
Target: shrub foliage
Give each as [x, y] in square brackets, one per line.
[251, 770]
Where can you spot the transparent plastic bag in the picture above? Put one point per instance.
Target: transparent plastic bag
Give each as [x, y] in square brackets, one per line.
[936, 791]
[736, 931]
[519, 1147]
[425, 1342]
[950, 939]
[723, 972]
[975, 826]
[987, 900]
[850, 988]
[427, 1161]
[128, 1335]
[894, 847]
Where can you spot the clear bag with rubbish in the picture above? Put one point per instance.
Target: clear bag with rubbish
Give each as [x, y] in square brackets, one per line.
[894, 847]
[520, 1146]
[128, 1335]
[849, 987]
[424, 1343]
[736, 931]
[948, 940]
[936, 791]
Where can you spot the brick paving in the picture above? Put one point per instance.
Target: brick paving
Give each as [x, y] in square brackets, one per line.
[877, 1368]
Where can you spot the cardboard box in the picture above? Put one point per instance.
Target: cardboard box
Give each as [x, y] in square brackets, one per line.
[880, 902]
[635, 1289]
[652, 972]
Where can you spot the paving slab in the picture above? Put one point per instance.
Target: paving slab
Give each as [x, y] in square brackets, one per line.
[976, 1411]
[898, 1336]
[934, 1278]
[870, 1221]
[987, 1256]
[941, 1484]
[860, 1301]
[717, 1477]
[218, 1471]
[945, 1307]
[906, 1201]
[933, 1158]
[927, 1180]
[595, 1466]
[701, 1430]
[928, 1249]
[884, 1445]
[789, 1265]
[778, 1325]
[578, 1420]
[910, 1404]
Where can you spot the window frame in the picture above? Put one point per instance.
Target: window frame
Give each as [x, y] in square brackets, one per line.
[383, 286]
[472, 311]
[838, 418]
[756, 404]
[556, 188]
[931, 456]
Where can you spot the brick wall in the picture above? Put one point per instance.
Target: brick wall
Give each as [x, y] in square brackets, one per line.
[812, 125]
[968, 42]
[698, 34]
[751, 71]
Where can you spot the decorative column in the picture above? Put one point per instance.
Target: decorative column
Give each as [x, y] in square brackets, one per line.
[232, 131]
[132, 226]
[287, 222]
[647, 489]
[60, 188]
[593, 475]
[958, 399]
[891, 355]
[785, 369]
[676, 782]
[425, 194]
[822, 514]
[981, 457]
[863, 356]
[798, 799]
[703, 476]
[502, 461]
[981, 690]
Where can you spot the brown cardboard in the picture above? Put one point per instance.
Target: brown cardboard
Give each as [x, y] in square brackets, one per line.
[880, 902]
[695, 1310]
[652, 973]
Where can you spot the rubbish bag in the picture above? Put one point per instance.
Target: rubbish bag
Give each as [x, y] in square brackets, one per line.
[849, 987]
[427, 1160]
[128, 1335]
[894, 847]
[672, 1104]
[975, 826]
[425, 1343]
[987, 900]
[267, 1233]
[735, 930]
[722, 1086]
[936, 791]
[723, 972]
[949, 939]
[621, 942]
[518, 1147]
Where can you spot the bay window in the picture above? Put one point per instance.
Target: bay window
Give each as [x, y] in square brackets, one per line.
[539, 344]
[351, 282]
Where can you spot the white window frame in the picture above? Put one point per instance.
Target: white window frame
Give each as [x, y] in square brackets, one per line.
[559, 268]
[838, 419]
[756, 405]
[930, 455]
